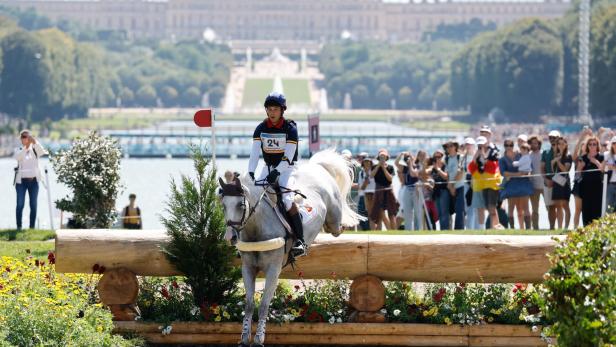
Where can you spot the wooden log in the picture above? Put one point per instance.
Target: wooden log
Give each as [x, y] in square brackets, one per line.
[460, 258]
[501, 341]
[302, 328]
[423, 258]
[299, 339]
[118, 286]
[367, 293]
[502, 330]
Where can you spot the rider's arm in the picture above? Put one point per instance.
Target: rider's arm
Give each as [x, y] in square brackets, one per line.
[291, 146]
[255, 151]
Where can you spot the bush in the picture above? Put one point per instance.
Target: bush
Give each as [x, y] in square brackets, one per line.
[580, 286]
[196, 227]
[91, 168]
[39, 307]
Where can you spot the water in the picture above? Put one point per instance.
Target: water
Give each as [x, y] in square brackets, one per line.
[149, 179]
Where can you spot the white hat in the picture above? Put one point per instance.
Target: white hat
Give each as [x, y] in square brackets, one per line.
[554, 133]
[523, 137]
[486, 129]
[469, 141]
[346, 153]
[613, 140]
[481, 140]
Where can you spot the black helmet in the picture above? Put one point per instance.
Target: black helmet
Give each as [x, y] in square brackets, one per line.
[276, 99]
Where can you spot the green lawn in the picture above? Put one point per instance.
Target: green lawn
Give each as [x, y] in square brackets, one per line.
[255, 91]
[296, 91]
[26, 235]
[19, 249]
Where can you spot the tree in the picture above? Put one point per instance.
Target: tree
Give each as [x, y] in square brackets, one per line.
[360, 96]
[603, 63]
[169, 96]
[191, 97]
[196, 226]
[405, 100]
[383, 96]
[146, 96]
[127, 96]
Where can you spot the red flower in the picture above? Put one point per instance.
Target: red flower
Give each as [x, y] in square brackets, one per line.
[524, 301]
[175, 285]
[36, 262]
[42, 263]
[289, 297]
[51, 257]
[1, 286]
[462, 284]
[515, 290]
[95, 268]
[7, 269]
[300, 274]
[165, 292]
[520, 286]
[296, 287]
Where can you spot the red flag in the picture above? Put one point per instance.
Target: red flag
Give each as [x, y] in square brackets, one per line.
[203, 118]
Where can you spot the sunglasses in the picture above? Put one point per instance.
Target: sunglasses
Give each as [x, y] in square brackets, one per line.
[25, 136]
[594, 144]
[509, 145]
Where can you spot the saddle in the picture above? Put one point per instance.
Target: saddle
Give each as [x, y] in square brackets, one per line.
[275, 201]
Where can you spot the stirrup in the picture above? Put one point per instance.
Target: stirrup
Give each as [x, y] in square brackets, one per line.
[299, 249]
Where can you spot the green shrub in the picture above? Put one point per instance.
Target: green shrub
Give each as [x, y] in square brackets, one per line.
[580, 288]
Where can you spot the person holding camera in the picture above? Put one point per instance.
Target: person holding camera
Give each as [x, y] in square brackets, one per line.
[561, 192]
[591, 186]
[27, 175]
[384, 199]
[456, 175]
[412, 206]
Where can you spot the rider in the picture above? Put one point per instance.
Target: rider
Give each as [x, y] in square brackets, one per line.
[276, 137]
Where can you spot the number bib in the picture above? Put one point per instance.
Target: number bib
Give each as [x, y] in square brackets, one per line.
[273, 143]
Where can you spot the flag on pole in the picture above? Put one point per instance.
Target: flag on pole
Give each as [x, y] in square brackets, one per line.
[203, 118]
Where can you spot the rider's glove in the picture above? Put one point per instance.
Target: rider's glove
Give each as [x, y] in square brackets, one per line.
[252, 176]
[273, 175]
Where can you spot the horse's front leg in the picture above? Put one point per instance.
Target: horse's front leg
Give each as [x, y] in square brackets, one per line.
[249, 274]
[271, 282]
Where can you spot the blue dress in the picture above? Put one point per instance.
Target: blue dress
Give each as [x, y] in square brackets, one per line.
[513, 187]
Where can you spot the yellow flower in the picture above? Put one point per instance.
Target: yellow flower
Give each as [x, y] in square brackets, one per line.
[226, 315]
[490, 319]
[216, 310]
[448, 321]
[217, 319]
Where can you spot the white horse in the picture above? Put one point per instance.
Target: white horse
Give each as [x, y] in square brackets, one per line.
[325, 181]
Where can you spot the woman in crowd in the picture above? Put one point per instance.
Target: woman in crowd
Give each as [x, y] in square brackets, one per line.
[366, 189]
[578, 152]
[409, 177]
[385, 206]
[561, 192]
[610, 168]
[440, 193]
[535, 154]
[591, 165]
[517, 187]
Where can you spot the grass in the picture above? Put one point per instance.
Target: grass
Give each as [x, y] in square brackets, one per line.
[26, 235]
[19, 249]
[296, 91]
[255, 91]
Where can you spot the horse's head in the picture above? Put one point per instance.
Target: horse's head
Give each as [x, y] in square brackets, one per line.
[235, 207]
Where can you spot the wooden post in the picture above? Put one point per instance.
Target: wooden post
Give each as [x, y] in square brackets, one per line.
[367, 297]
[118, 289]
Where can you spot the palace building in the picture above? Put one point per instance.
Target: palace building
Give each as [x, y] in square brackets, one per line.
[299, 20]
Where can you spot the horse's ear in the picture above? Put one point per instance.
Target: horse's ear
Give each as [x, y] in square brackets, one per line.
[222, 183]
[237, 182]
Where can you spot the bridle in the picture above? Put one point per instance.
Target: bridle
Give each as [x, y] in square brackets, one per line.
[235, 189]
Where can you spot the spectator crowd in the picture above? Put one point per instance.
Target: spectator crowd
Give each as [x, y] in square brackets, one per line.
[479, 184]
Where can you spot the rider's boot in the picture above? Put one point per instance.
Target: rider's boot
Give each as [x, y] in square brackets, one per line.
[299, 247]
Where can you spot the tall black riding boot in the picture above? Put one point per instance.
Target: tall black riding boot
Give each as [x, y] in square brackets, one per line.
[299, 247]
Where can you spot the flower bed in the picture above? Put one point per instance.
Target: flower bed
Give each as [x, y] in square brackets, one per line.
[40, 307]
[317, 312]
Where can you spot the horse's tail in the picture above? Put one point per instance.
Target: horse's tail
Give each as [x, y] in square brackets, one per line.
[341, 170]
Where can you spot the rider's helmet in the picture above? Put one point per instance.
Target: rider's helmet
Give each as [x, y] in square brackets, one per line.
[276, 99]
